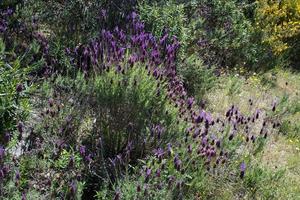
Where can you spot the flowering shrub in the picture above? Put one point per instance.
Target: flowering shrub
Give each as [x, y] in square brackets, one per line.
[280, 23]
[120, 122]
[113, 120]
[124, 105]
[207, 151]
[216, 136]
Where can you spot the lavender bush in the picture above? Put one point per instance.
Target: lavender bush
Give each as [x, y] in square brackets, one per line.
[120, 123]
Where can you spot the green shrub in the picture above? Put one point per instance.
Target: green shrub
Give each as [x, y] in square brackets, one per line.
[111, 115]
[162, 16]
[223, 35]
[220, 32]
[76, 21]
[289, 113]
[197, 77]
[15, 85]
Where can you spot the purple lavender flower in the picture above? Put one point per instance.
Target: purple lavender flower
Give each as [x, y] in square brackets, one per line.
[253, 138]
[242, 170]
[138, 188]
[189, 148]
[208, 120]
[147, 174]
[2, 152]
[159, 153]
[51, 102]
[231, 136]
[17, 176]
[82, 150]
[274, 106]
[9, 11]
[134, 15]
[146, 188]
[1, 174]
[132, 59]
[71, 161]
[20, 127]
[3, 25]
[156, 73]
[129, 147]
[119, 157]
[23, 196]
[68, 51]
[190, 102]
[171, 180]
[5, 169]
[169, 149]
[163, 39]
[257, 114]
[88, 158]
[73, 187]
[202, 114]
[218, 143]
[19, 88]
[177, 162]
[118, 69]
[198, 119]
[179, 184]
[158, 172]
[204, 141]
[196, 133]
[103, 14]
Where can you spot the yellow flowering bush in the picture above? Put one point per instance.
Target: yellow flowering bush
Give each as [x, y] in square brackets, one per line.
[280, 23]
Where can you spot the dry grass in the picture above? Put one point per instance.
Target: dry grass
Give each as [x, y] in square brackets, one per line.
[281, 152]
